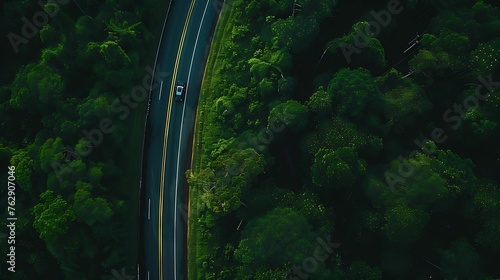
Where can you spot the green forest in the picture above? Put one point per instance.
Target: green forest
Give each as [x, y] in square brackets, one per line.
[349, 140]
[336, 139]
[67, 70]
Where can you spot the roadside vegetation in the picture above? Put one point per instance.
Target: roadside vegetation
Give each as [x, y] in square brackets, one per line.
[77, 196]
[389, 153]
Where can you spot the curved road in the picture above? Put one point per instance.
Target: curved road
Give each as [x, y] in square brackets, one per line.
[183, 52]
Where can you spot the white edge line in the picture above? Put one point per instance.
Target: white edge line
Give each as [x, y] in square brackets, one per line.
[180, 141]
[149, 208]
[161, 86]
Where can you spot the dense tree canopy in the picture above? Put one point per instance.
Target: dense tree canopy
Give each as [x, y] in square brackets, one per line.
[316, 130]
[352, 91]
[60, 78]
[373, 136]
[52, 216]
[228, 177]
[336, 169]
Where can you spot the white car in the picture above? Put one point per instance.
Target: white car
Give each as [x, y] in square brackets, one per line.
[180, 91]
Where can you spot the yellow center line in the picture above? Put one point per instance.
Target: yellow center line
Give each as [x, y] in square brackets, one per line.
[165, 140]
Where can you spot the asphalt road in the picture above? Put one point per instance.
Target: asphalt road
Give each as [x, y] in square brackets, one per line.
[183, 53]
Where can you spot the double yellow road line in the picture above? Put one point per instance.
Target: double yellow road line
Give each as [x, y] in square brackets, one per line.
[165, 140]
